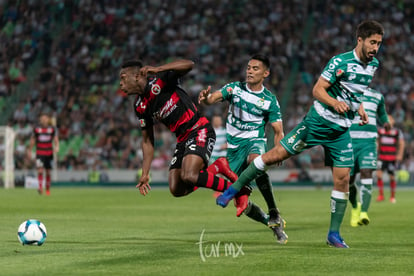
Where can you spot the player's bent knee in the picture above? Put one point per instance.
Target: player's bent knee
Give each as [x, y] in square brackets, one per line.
[189, 177]
[177, 191]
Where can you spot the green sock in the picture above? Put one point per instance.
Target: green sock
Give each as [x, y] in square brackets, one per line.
[366, 191]
[338, 207]
[249, 174]
[256, 213]
[265, 187]
[353, 195]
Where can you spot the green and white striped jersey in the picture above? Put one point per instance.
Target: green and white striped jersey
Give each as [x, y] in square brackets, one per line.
[374, 105]
[249, 111]
[349, 78]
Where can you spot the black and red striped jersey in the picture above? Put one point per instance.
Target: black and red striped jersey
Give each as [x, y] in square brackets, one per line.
[44, 140]
[165, 101]
[388, 143]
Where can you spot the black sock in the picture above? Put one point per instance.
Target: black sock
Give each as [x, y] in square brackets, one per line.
[256, 213]
[265, 187]
[353, 195]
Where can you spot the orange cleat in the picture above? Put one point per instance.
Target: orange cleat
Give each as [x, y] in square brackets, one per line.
[241, 200]
[221, 165]
[241, 203]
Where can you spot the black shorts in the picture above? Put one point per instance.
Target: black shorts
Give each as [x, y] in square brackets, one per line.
[44, 162]
[389, 166]
[199, 142]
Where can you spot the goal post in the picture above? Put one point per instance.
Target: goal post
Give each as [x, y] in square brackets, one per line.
[7, 137]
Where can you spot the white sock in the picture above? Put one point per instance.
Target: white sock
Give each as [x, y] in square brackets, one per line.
[339, 195]
[259, 164]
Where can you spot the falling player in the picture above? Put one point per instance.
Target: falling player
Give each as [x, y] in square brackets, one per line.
[160, 97]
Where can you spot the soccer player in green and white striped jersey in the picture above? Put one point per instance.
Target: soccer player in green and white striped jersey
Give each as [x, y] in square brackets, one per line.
[364, 143]
[251, 107]
[338, 93]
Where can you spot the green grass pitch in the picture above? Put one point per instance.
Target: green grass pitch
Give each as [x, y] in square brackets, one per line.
[109, 231]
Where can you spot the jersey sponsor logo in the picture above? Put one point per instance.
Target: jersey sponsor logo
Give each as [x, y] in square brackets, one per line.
[335, 62]
[242, 126]
[44, 138]
[256, 111]
[189, 141]
[44, 130]
[168, 108]
[201, 137]
[343, 159]
[210, 145]
[350, 149]
[299, 145]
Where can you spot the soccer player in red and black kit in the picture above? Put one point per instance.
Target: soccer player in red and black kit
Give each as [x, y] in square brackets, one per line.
[160, 97]
[391, 152]
[47, 142]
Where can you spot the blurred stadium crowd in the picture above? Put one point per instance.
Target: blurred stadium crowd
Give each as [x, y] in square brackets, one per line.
[63, 57]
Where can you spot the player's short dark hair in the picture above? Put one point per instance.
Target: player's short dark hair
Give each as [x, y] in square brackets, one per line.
[132, 63]
[263, 58]
[369, 27]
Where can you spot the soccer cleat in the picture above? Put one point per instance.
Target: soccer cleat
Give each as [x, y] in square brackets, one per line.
[363, 219]
[277, 225]
[221, 165]
[40, 191]
[393, 200]
[355, 212]
[241, 203]
[335, 240]
[47, 192]
[380, 198]
[224, 199]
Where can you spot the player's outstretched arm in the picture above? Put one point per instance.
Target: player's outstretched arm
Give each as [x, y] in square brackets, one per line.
[182, 66]
[148, 154]
[208, 98]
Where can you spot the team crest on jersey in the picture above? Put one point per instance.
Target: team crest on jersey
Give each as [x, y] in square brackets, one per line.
[229, 90]
[155, 89]
[292, 139]
[260, 102]
[339, 72]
